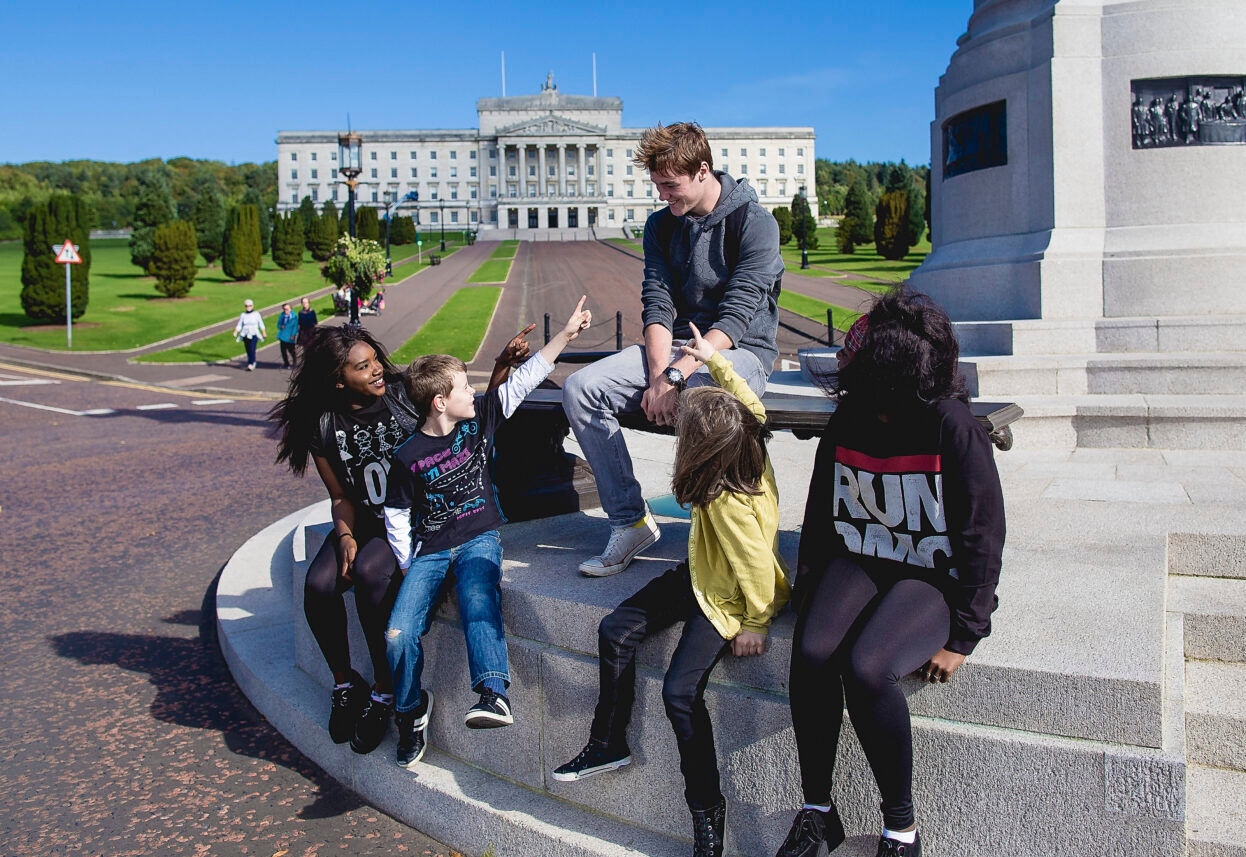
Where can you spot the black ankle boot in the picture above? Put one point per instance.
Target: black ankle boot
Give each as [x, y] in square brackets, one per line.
[707, 830]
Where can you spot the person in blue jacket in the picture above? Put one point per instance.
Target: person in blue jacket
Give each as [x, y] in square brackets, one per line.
[287, 333]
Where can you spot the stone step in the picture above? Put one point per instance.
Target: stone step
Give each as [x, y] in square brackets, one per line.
[1215, 714]
[1215, 812]
[1182, 373]
[1072, 336]
[1215, 616]
[1207, 554]
[492, 788]
[1132, 421]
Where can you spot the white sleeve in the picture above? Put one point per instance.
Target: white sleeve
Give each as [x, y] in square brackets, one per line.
[523, 381]
[398, 531]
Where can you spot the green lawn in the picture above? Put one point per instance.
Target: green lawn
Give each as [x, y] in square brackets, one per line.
[457, 328]
[505, 250]
[491, 271]
[221, 346]
[126, 311]
[864, 261]
[630, 245]
[812, 308]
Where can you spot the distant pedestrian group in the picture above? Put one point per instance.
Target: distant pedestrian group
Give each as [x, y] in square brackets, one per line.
[294, 331]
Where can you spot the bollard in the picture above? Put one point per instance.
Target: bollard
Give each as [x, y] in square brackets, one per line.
[618, 330]
[830, 328]
[547, 328]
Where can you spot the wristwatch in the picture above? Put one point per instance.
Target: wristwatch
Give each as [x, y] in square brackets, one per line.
[675, 377]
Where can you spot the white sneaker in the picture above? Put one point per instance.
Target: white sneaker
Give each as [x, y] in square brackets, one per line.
[624, 544]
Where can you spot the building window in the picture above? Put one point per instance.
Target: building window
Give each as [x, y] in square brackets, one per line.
[393, 156]
[333, 173]
[610, 190]
[333, 194]
[648, 190]
[313, 154]
[374, 172]
[782, 188]
[412, 155]
[294, 156]
[473, 216]
[629, 189]
[471, 172]
[432, 217]
[743, 152]
[782, 169]
[743, 169]
[372, 155]
[723, 153]
[433, 193]
[333, 156]
[454, 217]
[471, 191]
[589, 168]
[315, 194]
[629, 169]
[493, 153]
[592, 188]
[432, 156]
[512, 191]
[454, 172]
[761, 169]
[781, 153]
[512, 172]
[800, 153]
[609, 169]
[551, 190]
[294, 198]
[553, 170]
[454, 191]
[631, 214]
[629, 154]
[531, 170]
[393, 172]
[570, 169]
[493, 171]
[454, 154]
[762, 152]
[471, 156]
[432, 172]
[314, 173]
[374, 196]
[609, 214]
[493, 191]
[294, 175]
[800, 168]
[415, 172]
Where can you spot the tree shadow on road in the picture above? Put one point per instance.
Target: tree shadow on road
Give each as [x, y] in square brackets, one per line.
[194, 688]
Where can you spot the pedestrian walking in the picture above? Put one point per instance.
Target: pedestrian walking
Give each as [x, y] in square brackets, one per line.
[250, 331]
[287, 333]
[307, 323]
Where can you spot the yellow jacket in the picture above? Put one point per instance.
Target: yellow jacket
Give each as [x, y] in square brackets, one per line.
[738, 577]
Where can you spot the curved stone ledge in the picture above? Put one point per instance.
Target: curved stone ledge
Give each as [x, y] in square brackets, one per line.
[1003, 783]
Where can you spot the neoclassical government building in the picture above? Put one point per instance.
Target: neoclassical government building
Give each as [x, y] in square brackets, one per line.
[544, 161]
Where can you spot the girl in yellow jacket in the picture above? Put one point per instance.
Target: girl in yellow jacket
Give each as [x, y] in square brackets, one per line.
[726, 593]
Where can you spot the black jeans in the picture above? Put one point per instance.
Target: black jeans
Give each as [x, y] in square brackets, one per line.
[288, 352]
[376, 580]
[862, 628]
[662, 602]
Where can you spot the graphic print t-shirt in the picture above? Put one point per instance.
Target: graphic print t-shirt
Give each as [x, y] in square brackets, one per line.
[920, 491]
[365, 443]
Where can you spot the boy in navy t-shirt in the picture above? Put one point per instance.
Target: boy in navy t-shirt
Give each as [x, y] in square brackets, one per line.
[441, 474]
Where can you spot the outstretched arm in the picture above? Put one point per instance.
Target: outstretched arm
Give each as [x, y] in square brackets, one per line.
[702, 349]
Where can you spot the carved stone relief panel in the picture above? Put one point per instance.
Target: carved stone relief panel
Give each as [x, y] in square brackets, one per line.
[1187, 111]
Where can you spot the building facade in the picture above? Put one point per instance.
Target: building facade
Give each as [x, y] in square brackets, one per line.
[544, 161]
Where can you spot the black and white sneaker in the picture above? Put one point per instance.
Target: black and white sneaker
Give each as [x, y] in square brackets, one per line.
[372, 725]
[491, 711]
[346, 703]
[894, 848]
[411, 728]
[595, 758]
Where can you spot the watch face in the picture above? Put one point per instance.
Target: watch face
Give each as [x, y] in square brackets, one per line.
[675, 376]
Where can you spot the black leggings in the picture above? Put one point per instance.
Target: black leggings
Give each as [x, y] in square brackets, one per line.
[862, 629]
[376, 580]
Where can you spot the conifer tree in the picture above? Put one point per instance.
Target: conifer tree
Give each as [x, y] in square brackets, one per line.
[843, 235]
[323, 236]
[307, 211]
[893, 234]
[208, 219]
[367, 225]
[783, 216]
[802, 221]
[155, 208]
[241, 257]
[173, 258]
[262, 209]
[858, 214]
[288, 241]
[62, 218]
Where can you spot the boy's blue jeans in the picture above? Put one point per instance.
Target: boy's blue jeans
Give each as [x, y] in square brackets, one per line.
[477, 568]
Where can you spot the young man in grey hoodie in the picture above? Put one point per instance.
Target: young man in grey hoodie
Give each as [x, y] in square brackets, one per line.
[711, 259]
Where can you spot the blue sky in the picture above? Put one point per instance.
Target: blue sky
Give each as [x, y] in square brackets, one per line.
[126, 81]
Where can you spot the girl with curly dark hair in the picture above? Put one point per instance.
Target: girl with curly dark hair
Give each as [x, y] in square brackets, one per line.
[899, 557]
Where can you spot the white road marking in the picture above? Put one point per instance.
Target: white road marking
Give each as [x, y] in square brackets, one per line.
[160, 407]
[28, 382]
[90, 413]
[212, 401]
[195, 379]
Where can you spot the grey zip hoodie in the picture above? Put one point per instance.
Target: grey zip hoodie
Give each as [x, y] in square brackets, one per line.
[696, 285]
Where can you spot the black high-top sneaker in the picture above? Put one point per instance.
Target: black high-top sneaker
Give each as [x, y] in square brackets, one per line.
[372, 726]
[708, 826]
[345, 706]
[810, 829]
[411, 728]
[895, 848]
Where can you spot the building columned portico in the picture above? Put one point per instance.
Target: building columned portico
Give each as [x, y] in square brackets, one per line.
[543, 161]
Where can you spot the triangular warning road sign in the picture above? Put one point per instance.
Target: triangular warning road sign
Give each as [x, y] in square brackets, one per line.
[69, 254]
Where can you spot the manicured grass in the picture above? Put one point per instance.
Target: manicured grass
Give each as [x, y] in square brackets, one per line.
[865, 261]
[457, 328]
[491, 271]
[630, 245]
[506, 250]
[814, 309]
[128, 312]
[221, 346]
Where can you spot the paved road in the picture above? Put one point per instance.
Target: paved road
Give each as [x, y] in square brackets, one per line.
[123, 732]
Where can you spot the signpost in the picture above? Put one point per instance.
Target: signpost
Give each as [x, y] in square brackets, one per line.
[68, 255]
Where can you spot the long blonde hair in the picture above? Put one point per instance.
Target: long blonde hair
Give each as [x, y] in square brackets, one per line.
[722, 447]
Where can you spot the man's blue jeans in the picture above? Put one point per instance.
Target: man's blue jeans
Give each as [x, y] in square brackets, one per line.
[477, 568]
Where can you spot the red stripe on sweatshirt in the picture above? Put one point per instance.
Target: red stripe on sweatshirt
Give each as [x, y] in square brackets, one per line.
[894, 464]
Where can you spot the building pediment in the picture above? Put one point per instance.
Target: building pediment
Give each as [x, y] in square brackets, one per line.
[551, 125]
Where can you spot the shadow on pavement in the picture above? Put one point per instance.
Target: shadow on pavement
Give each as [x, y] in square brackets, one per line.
[195, 689]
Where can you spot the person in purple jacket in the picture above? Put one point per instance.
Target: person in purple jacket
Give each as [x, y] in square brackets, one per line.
[900, 553]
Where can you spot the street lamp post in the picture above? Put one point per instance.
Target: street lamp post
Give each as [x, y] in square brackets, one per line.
[442, 205]
[350, 165]
[391, 206]
[804, 225]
